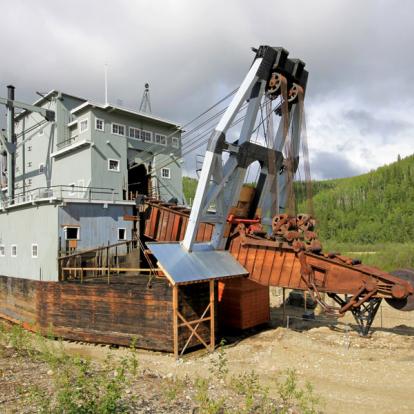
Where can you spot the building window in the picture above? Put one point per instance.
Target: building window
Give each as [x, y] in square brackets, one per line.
[29, 164]
[41, 131]
[174, 142]
[118, 129]
[83, 125]
[2, 251]
[165, 173]
[41, 168]
[134, 133]
[14, 250]
[160, 139]
[99, 124]
[113, 165]
[121, 234]
[71, 233]
[146, 136]
[29, 148]
[29, 182]
[34, 251]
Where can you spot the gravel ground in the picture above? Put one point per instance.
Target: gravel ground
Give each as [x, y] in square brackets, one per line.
[352, 374]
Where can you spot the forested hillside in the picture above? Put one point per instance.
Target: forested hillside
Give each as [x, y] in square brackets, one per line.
[189, 188]
[371, 208]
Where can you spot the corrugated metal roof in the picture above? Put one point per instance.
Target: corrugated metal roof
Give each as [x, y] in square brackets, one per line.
[202, 264]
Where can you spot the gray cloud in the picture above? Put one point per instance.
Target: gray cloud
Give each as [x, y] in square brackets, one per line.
[192, 53]
[369, 124]
[332, 165]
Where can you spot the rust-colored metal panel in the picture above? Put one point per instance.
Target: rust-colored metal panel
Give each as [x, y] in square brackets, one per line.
[243, 304]
[183, 228]
[268, 261]
[168, 223]
[176, 227]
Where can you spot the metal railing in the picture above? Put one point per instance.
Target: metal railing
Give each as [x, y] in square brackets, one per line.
[107, 263]
[66, 142]
[60, 192]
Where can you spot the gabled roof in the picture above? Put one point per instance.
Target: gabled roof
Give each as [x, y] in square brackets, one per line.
[113, 108]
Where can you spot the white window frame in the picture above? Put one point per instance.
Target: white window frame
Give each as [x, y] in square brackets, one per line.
[65, 229]
[150, 136]
[35, 245]
[118, 125]
[175, 142]
[125, 233]
[41, 168]
[2, 250]
[81, 131]
[11, 250]
[109, 163]
[169, 173]
[96, 124]
[159, 137]
[134, 129]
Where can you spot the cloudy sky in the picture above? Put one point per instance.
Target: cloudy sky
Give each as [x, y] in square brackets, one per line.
[360, 96]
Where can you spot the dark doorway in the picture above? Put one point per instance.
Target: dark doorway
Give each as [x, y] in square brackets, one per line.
[138, 180]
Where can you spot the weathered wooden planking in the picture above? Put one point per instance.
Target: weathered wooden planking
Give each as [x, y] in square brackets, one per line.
[104, 313]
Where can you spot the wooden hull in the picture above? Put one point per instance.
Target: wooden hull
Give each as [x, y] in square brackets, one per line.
[103, 313]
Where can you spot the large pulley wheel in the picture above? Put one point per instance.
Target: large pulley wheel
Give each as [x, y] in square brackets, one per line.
[406, 304]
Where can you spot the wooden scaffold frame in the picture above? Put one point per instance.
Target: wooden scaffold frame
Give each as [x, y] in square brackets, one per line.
[179, 321]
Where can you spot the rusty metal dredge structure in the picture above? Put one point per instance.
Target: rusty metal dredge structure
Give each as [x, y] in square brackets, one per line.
[276, 248]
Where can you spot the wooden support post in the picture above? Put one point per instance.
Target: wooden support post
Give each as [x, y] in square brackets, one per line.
[107, 262]
[212, 318]
[175, 320]
[284, 306]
